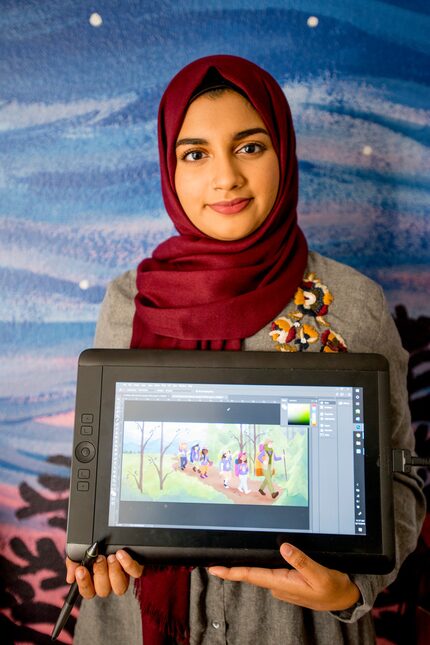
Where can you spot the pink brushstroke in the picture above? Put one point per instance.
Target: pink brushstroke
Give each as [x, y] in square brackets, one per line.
[9, 496]
[62, 420]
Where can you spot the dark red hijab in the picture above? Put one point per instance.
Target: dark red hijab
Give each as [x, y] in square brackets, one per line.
[196, 292]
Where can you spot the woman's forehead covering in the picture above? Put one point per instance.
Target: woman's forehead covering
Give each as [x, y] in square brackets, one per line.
[262, 90]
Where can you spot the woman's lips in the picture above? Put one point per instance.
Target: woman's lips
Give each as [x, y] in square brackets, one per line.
[228, 208]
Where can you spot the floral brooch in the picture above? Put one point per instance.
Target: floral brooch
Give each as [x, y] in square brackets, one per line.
[291, 334]
[312, 298]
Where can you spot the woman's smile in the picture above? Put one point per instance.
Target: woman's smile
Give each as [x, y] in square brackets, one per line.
[232, 207]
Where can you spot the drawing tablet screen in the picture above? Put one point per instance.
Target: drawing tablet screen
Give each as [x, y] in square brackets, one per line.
[202, 457]
[238, 457]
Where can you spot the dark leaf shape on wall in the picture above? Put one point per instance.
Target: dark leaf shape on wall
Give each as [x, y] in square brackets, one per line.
[54, 483]
[58, 522]
[10, 579]
[46, 558]
[36, 503]
[60, 460]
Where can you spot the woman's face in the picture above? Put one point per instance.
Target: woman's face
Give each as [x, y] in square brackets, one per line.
[227, 171]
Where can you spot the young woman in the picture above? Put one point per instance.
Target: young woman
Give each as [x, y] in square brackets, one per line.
[238, 276]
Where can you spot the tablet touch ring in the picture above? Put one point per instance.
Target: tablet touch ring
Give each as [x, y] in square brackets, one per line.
[85, 451]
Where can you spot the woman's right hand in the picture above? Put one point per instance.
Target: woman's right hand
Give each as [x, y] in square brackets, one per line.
[111, 574]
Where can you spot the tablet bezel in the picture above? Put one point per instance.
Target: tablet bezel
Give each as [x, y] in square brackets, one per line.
[370, 553]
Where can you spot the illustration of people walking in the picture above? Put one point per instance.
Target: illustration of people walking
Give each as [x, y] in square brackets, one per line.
[204, 463]
[265, 468]
[195, 456]
[182, 454]
[225, 467]
[242, 470]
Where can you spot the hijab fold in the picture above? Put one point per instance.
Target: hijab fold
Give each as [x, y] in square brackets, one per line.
[199, 293]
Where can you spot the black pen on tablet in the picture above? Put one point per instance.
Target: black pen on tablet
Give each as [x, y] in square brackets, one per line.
[90, 555]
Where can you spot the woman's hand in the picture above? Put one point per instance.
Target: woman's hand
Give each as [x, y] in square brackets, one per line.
[307, 584]
[109, 574]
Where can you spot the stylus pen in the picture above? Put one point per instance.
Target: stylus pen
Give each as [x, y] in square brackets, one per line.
[88, 561]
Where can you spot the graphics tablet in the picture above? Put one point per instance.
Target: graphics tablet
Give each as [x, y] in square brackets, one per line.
[219, 457]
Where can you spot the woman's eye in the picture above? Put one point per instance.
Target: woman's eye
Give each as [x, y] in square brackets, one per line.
[193, 155]
[251, 148]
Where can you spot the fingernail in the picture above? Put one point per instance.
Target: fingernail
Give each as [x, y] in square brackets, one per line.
[287, 549]
[80, 574]
[99, 559]
[111, 558]
[119, 555]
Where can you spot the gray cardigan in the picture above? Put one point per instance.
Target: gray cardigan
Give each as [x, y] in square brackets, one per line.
[237, 613]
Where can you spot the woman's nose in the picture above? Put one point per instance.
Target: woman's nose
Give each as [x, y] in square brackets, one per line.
[227, 174]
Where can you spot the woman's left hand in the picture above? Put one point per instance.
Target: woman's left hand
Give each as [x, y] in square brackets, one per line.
[307, 584]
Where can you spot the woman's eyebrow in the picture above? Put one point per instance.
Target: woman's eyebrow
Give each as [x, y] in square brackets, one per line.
[247, 133]
[194, 141]
[191, 142]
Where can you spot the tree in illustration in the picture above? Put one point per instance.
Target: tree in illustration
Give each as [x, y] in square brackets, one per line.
[163, 449]
[143, 444]
[284, 457]
[239, 437]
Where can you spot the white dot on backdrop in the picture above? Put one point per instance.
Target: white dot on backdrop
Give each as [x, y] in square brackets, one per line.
[84, 284]
[312, 21]
[96, 20]
[367, 150]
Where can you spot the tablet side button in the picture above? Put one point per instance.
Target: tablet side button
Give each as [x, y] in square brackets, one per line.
[86, 430]
[85, 447]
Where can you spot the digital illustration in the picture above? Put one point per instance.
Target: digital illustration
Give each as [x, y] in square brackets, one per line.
[202, 463]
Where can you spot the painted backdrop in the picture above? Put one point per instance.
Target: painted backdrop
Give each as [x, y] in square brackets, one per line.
[80, 203]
